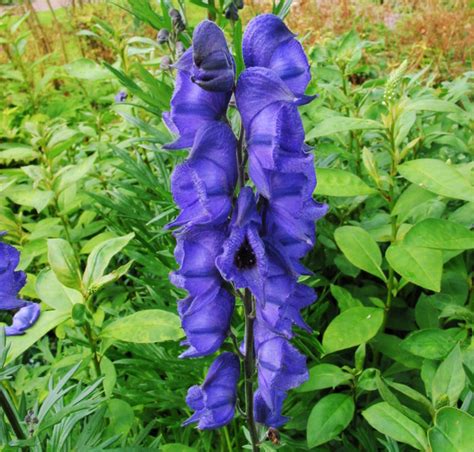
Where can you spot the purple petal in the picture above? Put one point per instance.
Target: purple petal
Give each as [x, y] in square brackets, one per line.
[191, 106]
[214, 67]
[214, 401]
[203, 185]
[267, 42]
[206, 321]
[23, 319]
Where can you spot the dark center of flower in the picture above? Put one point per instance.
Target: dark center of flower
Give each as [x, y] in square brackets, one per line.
[245, 257]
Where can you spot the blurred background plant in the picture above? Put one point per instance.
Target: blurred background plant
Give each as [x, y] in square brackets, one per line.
[85, 194]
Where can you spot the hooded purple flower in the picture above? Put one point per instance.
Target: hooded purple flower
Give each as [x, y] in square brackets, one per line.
[203, 85]
[207, 311]
[214, 66]
[243, 260]
[121, 97]
[203, 185]
[280, 368]
[214, 401]
[267, 42]
[11, 282]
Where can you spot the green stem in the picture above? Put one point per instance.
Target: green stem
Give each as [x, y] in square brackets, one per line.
[249, 363]
[93, 347]
[11, 415]
[227, 439]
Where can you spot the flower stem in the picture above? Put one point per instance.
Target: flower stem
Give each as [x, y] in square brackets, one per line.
[249, 366]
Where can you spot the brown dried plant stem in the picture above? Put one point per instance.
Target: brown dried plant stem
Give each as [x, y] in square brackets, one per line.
[39, 27]
[60, 31]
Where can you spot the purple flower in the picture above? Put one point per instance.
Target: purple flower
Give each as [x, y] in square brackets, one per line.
[214, 66]
[214, 401]
[203, 185]
[203, 85]
[11, 282]
[121, 97]
[207, 311]
[280, 368]
[267, 42]
[243, 260]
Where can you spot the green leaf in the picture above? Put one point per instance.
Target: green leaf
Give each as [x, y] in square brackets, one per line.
[323, 376]
[86, 69]
[46, 322]
[26, 196]
[437, 105]
[360, 249]
[452, 431]
[438, 177]
[328, 418]
[421, 266]
[101, 256]
[440, 234]
[449, 379]
[389, 345]
[344, 298]
[175, 447]
[336, 124]
[54, 294]
[352, 327]
[431, 343]
[389, 421]
[121, 417]
[410, 201]
[107, 369]
[336, 182]
[64, 264]
[144, 327]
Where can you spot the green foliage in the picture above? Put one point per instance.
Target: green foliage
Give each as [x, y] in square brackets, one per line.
[85, 196]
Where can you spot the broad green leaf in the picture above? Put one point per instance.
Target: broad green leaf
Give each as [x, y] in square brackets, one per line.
[328, 418]
[64, 264]
[449, 379]
[144, 327]
[54, 294]
[440, 234]
[389, 345]
[421, 266]
[175, 447]
[18, 153]
[389, 421]
[410, 201]
[452, 431]
[101, 256]
[336, 182]
[438, 177]
[28, 197]
[107, 369]
[86, 69]
[431, 343]
[46, 322]
[324, 376]
[352, 327]
[360, 249]
[336, 124]
[121, 417]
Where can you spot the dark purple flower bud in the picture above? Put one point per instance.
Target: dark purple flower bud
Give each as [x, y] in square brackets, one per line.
[191, 106]
[177, 20]
[165, 63]
[232, 12]
[180, 49]
[23, 319]
[267, 42]
[243, 260]
[214, 401]
[203, 185]
[121, 97]
[206, 313]
[214, 67]
[11, 282]
[163, 36]
[239, 3]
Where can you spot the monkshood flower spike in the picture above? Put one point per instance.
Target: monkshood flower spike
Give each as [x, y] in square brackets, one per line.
[11, 282]
[247, 218]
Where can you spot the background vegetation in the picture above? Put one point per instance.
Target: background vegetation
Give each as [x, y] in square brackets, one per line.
[84, 195]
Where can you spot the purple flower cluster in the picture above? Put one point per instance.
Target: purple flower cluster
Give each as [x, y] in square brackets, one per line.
[255, 242]
[11, 282]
